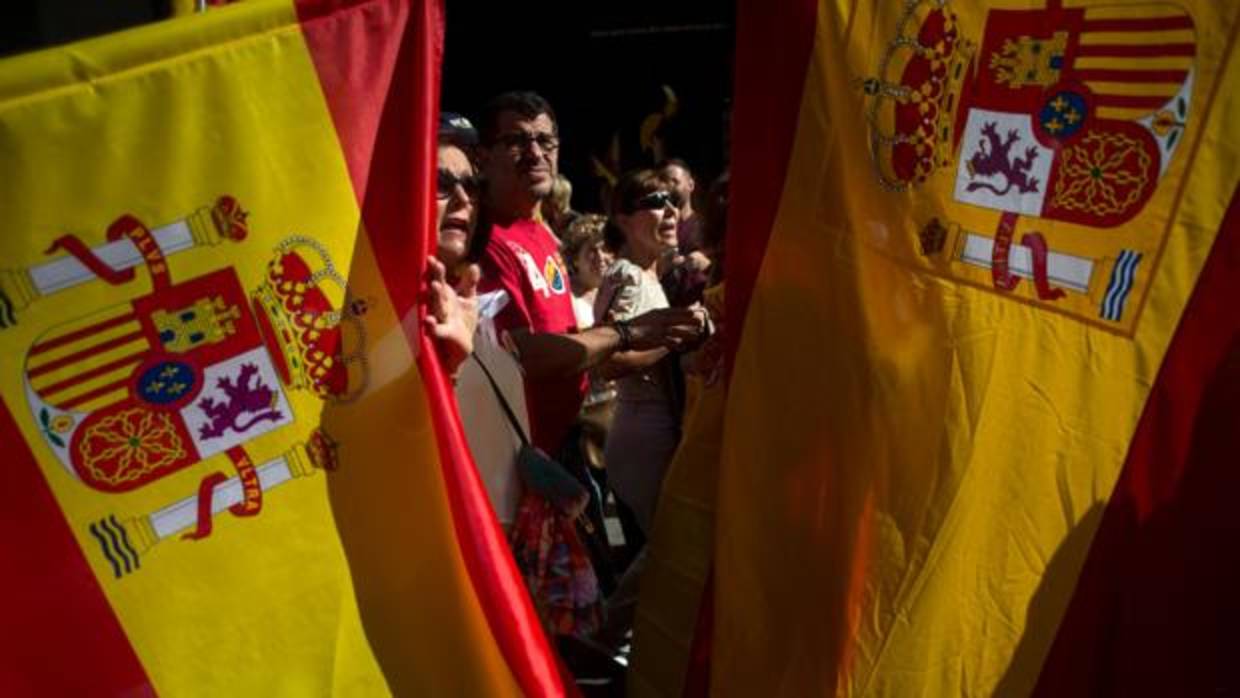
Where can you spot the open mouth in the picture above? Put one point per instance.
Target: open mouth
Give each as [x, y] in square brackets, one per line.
[455, 226]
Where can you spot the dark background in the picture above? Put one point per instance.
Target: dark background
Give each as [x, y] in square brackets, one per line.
[601, 65]
[25, 26]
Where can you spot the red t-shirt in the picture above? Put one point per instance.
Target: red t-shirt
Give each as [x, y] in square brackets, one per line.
[524, 259]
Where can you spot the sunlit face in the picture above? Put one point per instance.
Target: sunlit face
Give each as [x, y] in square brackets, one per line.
[679, 181]
[651, 230]
[590, 264]
[456, 204]
[523, 160]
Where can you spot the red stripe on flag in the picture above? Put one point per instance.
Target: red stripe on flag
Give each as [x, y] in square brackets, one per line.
[61, 637]
[1136, 50]
[79, 334]
[54, 388]
[1156, 606]
[1129, 101]
[773, 45]
[397, 203]
[361, 96]
[1146, 24]
[355, 88]
[84, 354]
[1145, 76]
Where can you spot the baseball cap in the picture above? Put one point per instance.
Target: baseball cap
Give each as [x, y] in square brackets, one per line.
[457, 130]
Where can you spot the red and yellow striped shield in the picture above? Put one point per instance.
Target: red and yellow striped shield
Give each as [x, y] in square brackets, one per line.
[233, 465]
[1009, 470]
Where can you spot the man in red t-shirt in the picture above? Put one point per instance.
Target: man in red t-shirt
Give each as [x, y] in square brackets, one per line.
[518, 156]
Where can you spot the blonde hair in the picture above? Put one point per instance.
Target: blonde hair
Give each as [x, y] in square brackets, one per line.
[561, 194]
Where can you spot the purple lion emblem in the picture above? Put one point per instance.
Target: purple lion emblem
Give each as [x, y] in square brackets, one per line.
[243, 399]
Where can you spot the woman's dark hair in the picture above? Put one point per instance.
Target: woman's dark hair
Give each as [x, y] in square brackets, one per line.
[630, 188]
[482, 229]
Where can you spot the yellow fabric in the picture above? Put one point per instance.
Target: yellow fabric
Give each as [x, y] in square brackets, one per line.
[915, 462]
[157, 123]
[681, 546]
[181, 8]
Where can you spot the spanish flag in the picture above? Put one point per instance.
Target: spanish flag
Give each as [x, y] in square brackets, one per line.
[983, 266]
[231, 462]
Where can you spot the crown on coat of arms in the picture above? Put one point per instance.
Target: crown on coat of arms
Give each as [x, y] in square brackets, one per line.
[304, 330]
[913, 96]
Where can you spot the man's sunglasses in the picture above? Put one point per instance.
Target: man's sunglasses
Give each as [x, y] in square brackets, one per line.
[448, 182]
[657, 200]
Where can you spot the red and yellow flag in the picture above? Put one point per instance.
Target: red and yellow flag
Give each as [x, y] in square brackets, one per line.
[983, 263]
[232, 465]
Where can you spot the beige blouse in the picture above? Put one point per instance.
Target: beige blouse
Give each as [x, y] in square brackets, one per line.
[625, 293]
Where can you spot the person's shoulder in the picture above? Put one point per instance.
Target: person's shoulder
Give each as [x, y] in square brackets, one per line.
[622, 272]
[500, 244]
[535, 230]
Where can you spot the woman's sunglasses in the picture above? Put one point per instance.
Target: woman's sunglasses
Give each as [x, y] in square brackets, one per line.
[656, 200]
[447, 184]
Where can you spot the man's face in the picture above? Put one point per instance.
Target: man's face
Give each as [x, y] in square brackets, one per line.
[456, 204]
[680, 182]
[522, 162]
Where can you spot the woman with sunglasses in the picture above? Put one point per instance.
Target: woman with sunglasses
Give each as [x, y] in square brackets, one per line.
[462, 322]
[452, 282]
[646, 428]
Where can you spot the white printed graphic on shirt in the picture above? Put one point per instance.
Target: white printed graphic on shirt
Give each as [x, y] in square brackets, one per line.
[531, 271]
[551, 279]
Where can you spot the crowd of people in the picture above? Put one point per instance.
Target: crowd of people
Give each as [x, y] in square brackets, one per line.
[568, 336]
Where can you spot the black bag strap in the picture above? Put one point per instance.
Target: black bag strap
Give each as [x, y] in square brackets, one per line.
[503, 402]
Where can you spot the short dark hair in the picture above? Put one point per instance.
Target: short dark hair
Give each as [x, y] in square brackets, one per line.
[673, 162]
[529, 105]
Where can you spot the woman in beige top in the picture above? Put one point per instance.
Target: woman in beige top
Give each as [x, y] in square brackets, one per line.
[646, 427]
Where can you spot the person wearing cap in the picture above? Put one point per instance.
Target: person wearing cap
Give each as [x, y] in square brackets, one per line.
[452, 283]
[462, 323]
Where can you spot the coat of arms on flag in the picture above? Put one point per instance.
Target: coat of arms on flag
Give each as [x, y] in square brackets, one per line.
[229, 447]
[130, 393]
[1063, 121]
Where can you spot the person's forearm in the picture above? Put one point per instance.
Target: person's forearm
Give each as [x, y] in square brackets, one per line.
[625, 362]
[544, 355]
